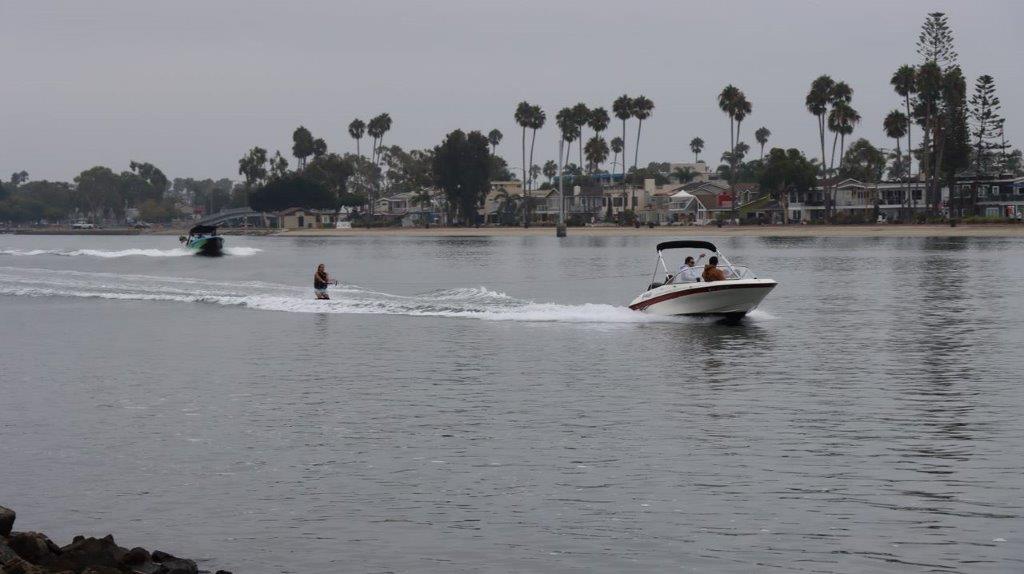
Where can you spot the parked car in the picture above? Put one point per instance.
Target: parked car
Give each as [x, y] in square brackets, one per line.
[82, 225]
[141, 225]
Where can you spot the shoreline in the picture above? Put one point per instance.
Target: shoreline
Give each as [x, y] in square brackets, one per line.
[934, 230]
[870, 230]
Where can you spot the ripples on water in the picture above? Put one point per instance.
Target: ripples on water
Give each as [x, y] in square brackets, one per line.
[489, 404]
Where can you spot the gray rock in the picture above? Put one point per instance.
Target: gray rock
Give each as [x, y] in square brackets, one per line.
[20, 566]
[6, 552]
[174, 565]
[7, 517]
[34, 547]
[89, 552]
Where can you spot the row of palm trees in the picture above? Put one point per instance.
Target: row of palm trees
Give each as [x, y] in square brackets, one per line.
[571, 121]
[375, 128]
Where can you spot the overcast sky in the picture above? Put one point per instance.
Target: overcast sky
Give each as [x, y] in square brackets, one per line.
[191, 85]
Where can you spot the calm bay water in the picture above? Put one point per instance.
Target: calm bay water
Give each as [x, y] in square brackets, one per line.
[489, 404]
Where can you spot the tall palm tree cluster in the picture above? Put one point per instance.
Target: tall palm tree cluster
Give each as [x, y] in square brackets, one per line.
[533, 118]
[829, 102]
[734, 103]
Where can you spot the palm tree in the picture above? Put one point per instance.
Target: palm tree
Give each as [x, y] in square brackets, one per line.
[534, 173]
[302, 145]
[642, 109]
[598, 120]
[376, 128]
[581, 117]
[817, 102]
[696, 146]
[523, 115]
[597, 152]
[761, 135]
[356, 129]
[896, 125]
[422, 198]
[741, 111]
[622, 107]
[904, 81]
[684, 174]
[616, 146]
[507, 201]
[537, 120]
[494, 137]
[566, 122]
[319, 148]
[735, 105]
[550, 170]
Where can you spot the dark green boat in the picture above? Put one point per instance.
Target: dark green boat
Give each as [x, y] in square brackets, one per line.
[203, 239]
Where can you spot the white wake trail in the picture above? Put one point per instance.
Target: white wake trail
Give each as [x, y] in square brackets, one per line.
[465, 303]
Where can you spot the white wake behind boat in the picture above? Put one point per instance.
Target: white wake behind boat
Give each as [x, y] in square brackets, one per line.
[739, 294]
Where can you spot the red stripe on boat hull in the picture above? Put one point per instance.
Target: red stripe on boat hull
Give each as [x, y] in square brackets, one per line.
[675, 294]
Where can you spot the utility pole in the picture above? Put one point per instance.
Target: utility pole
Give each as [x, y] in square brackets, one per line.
[560, 228]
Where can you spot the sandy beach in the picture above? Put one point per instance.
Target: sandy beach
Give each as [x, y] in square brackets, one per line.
[989, 230]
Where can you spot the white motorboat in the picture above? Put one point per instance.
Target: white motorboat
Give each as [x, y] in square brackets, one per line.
[739, 294]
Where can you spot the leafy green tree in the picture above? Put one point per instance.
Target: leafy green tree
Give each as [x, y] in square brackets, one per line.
[253, 167]
[18, 178]
[787, 171]
[356, 130]
[278, 166]
[96, 192]
[302, 145]
[155, 179]
[292, 190]
[761, 135]
[331, 171]
[500, 170]
[462, 169]
[863, 162]
[494, 137]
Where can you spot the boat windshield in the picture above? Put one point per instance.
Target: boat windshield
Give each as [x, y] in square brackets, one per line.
[671, 275]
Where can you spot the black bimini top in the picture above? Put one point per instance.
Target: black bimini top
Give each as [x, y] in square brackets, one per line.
[203, 230]
[685, 244]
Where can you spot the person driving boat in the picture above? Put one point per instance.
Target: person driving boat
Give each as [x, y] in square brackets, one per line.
[712, 272]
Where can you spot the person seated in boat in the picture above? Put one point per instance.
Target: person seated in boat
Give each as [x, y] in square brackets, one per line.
[712, 272]
[688, 273]
[320, 282]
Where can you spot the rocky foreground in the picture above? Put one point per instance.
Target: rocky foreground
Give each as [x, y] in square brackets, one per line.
[35, 553]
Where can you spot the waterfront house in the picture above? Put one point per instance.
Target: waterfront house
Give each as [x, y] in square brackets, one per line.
[988, 195]
[303, 218]
[859, 201]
